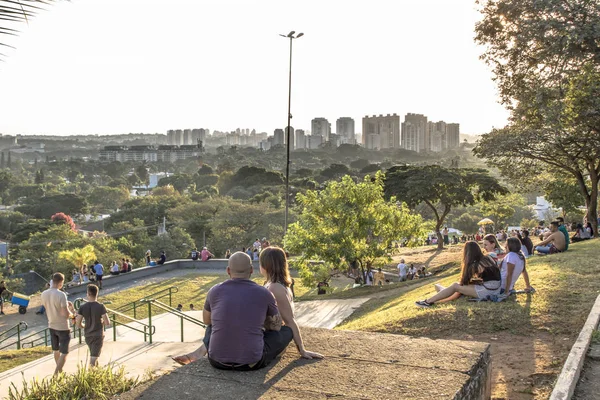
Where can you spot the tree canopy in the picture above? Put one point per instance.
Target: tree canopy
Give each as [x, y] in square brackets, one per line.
[441, 189]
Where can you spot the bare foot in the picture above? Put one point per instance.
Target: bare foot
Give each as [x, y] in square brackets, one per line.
[182, 360]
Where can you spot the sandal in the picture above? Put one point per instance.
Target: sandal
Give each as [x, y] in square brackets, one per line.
[531, 290]
[182, 360]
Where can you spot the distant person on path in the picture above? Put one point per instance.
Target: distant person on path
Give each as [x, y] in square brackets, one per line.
[445, 234]
[162, 258]
[129, 265]
[369, 277]
[99, 270]
[250, 252]
[255, 254]
[148, 257]
[179, 307]
[513, 265]
[563, 229]
[206, 255]
[227, 254]
[379, 277]
[257, 244]
[554, 243]
[59, 311]
[480, 278]
[402, 270]
[264, 243]
[191, 307]
[321, 287]
[96, 319]
[86, 277]
[274, 267]
[235, 312]
[194, 254]
[3, 292]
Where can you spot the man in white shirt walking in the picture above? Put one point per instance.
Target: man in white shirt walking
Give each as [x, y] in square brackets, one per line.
[58, 310]
[402, 270]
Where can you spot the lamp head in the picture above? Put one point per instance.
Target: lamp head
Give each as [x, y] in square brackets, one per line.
[291, 33]
[299, 35]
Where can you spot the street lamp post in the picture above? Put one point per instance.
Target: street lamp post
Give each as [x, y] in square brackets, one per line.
[291, 36]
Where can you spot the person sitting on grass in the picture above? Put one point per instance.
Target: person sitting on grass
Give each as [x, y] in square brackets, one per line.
[527, 244]
[492, 247]
[554, 243]
[480, 278]
[581, 234]
[243, 331]
[379, 277]
[513, 265]
[114, 269]
[563, 229]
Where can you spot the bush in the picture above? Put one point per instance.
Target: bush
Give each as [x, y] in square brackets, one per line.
[91, 384]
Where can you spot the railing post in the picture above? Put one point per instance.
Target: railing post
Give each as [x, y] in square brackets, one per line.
[170, 297]
[145, 334]
[19, 337]
[134, 313]
[79, 330]
[114, 324]
[46, 337]
[150, 319]
[181, 318]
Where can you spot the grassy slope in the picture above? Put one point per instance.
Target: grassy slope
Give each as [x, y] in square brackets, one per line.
[13, 358]
[567, 286]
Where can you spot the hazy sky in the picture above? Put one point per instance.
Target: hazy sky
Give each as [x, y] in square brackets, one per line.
[120, 66]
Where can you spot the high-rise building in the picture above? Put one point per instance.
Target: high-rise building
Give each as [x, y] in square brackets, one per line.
[415, 133]
[344, 127]
[386, 128]
[437, 136]
[278, 137]
[314, 141]
[187, 136]
[453, 135]
[178, 137]
[320, 127]
[300, 139]
[171, 136]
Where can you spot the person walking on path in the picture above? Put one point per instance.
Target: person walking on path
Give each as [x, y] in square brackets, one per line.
[446, 238]
[95, 317]
[402, 271]
[99, 270]
[59, 310]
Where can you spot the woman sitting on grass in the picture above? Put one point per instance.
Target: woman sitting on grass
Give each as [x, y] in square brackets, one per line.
[513, 265]
[492, 247]
[480, 278]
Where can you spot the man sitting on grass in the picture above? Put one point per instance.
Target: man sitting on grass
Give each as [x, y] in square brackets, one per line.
[235, 313]
[554, 243]
[95, 317]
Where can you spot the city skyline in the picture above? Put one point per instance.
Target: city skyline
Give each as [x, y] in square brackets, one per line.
[230, 69]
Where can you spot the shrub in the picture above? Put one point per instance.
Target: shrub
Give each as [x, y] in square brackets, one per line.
[87, 383]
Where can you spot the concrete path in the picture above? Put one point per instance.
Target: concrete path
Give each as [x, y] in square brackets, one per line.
[326, 313]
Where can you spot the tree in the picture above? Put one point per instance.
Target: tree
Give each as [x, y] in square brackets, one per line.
[507, 210]
[79, 256]
[563, 193]
[467, 223]
[105, 198]
[62, 218]
[546, 68]
[335, 170]
[348, 221]
[46, 206]
[179, 181]
[441, 189]
[142, 173]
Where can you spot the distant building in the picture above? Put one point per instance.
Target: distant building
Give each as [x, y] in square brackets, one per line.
[415, 133]
[453, 135]
[314, 141]
[187, 137]
[344, 127]
[164, 153]
[292, 137]
[386, 128]
[438, 136]
[278, 137]
[300, 139]
[320, 127]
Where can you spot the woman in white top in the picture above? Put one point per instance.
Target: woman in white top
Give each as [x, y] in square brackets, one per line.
[513, 265]
[274, 267]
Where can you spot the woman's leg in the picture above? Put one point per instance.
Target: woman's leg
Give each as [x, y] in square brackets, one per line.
[468, 290]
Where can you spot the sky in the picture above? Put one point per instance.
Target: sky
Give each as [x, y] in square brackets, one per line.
[121, 66]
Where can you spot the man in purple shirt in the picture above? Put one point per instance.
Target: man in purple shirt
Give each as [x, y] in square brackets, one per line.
[244, 329]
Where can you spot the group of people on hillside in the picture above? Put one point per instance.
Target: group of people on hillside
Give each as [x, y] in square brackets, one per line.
[410, 272]
[248, 325]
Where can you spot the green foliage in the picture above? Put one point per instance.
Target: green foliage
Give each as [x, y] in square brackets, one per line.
[150, 209]
[507, 210]
[46, 206]
[441, 188]
[563, 193]
[142, 173]
[348, 221]
[100, 383]
[78, 256]
[206, 180]
[179, 181]
[205, 169]
[176, 243]
[335, 170]
[105, 198]
[467, 223]
[359, 164]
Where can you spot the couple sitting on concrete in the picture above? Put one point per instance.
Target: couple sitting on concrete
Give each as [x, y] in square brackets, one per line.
[244, 320]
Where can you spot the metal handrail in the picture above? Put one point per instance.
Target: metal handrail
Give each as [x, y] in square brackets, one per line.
[158, 295]
[171, 310]
[45, 339]
[21, 326]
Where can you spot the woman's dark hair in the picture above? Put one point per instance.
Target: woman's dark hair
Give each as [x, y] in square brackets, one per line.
[525, 233]
[473, 258]
[273, 260]
[589, 225]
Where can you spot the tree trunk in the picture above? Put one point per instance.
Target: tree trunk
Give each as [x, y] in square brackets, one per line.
[592, 206]
[438, 226]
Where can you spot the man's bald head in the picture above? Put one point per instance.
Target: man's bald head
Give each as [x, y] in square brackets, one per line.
[240, 265]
